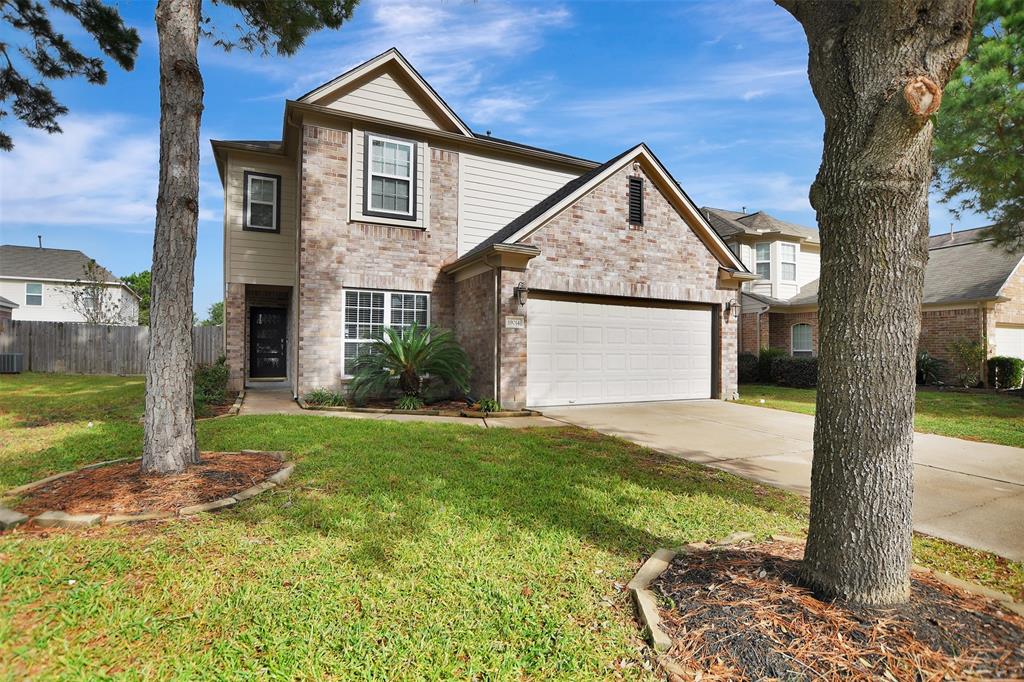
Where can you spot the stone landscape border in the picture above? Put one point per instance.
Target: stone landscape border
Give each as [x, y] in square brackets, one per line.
[424, 413]
[647, 604]
[10, 518]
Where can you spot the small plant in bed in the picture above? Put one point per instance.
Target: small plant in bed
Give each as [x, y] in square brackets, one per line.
[399, 360]
[409, 402]
[488, 405]
[324, 397]
[211, 386]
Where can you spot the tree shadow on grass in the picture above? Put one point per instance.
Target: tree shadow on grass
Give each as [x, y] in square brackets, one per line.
[394, 480]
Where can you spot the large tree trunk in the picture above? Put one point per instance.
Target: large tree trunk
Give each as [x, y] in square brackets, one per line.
[170, 426]
[877, 70]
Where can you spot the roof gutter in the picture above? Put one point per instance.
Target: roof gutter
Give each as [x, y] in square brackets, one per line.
[510, 255]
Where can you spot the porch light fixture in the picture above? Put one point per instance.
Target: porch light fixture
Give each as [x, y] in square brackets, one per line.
[520, 293]
[730, 305]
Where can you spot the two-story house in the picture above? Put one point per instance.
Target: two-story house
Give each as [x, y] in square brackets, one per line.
[566, 280]
[973, 291]
[41, 283]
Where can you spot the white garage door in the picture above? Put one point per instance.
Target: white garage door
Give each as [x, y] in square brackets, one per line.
[1009, 341]
[580, 353]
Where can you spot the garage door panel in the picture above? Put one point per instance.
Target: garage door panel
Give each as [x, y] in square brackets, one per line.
[581, 352]
[1009, 340]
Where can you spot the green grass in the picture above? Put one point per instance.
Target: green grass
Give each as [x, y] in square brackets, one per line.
[986, 417]
[396, 550]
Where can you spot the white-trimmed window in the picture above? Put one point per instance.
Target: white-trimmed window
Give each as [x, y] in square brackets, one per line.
[763, 259]
[262, 202]
[802, 345]
[390, 177]
[367, 313]
[787, 260]
[33, 293]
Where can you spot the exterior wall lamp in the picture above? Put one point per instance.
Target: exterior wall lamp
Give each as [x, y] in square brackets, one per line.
[730, 306]
[520, 293]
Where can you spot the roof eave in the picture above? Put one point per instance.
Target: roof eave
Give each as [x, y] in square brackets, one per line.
[510, 255]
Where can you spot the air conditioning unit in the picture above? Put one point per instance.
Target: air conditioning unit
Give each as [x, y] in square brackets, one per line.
[11, 363]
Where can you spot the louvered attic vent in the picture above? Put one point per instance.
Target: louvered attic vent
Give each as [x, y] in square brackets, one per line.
[636, 201]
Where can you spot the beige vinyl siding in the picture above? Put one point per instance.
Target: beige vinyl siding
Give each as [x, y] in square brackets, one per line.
[494, 191]
[259, 257]
[422, 181]
[808, 266]
[384, 97]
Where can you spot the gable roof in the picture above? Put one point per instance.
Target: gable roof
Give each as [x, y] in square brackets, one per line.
[529, 221]
[37, 263]
[8, 303]
[391, 57]
[729, 223]
[963, 267]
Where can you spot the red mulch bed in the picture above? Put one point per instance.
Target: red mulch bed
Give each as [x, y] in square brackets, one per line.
[122, 489]
[739, 614]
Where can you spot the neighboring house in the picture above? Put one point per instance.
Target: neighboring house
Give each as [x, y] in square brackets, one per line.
[972, 290]
[40, 282]
[7, 307]
[566, 280]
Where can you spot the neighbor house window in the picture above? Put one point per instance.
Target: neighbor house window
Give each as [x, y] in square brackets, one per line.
[262, 202]
[390, 177]
[787, 253]
[33, 293]
[367, 313]
[801, 346]
[763, 259]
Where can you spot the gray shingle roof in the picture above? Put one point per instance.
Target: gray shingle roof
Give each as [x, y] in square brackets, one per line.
[32, 261]
[961, 269]
[729, 223]
[7, 303]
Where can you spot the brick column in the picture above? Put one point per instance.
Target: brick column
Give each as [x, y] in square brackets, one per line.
[234, 334]
[511, 343]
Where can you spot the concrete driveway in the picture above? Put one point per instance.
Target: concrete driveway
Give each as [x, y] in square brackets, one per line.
[965, 492]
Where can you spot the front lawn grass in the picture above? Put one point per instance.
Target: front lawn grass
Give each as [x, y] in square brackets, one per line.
[986, 417]
[395, 551]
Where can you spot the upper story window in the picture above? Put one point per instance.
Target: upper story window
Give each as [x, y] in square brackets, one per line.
[33, 293]
[636, 200]
[763, 259]
[391, 178]
[787, 260]
[802, 345]
[262, 202]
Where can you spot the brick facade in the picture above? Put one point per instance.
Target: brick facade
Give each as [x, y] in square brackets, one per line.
[780, 329]
[590, 248]
[335, 254]
[474, 327]
[752, 338]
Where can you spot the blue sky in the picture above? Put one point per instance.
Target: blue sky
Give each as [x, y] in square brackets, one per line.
[719, 91]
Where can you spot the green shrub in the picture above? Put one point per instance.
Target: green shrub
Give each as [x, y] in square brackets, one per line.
[409, 402]
[795, 372]
[400, 360]
[488, 405]
[324, 397]
[748, 368]
[1005, 372]
[968, 359]
[211, 384]
[930, 369]
[764, 363]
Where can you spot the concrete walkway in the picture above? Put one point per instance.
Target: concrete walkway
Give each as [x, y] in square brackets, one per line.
[965, 492]
[261, 400]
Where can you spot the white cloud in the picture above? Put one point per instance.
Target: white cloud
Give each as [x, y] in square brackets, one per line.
[101, 171]
[762, 191]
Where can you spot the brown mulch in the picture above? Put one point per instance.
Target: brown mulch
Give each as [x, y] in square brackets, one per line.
[122, 489]
[739, 614]
[453, 405]
[218, 409]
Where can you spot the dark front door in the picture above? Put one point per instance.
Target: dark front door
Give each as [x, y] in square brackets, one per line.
[268, 334]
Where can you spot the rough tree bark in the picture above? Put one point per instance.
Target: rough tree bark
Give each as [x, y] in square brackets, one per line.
[170, 428]
[877, 70]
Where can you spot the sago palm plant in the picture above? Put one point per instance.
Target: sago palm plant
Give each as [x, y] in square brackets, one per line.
[402, 358]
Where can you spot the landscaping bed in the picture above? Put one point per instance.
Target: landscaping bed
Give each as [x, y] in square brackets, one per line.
[739, 613]
[121, 488]
[221, 407]
[443, 408]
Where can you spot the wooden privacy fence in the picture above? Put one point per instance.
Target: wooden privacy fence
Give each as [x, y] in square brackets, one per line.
[74, 348]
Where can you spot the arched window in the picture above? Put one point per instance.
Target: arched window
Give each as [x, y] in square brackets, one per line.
[801, 345]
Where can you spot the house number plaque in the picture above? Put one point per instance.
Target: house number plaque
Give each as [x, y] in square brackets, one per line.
[515, 322]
